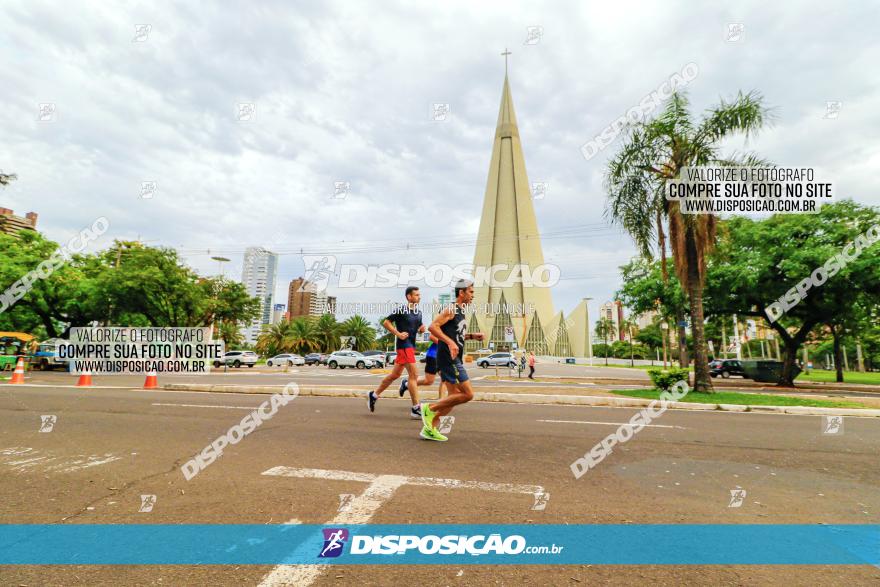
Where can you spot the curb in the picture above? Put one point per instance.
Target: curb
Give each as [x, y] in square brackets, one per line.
[537, 398]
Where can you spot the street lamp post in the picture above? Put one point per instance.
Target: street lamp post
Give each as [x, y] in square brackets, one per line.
[220, 261]
[589, 335]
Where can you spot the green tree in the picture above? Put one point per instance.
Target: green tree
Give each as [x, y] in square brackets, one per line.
[759, 261]
[225, 301]
[650, 336]
[127, 285]
[230, 333]
[327, 329]
[359, 327]
[67, 297]
[652, 154]
[303, 335]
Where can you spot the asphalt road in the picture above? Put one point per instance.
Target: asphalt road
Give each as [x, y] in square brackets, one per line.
[108, 447]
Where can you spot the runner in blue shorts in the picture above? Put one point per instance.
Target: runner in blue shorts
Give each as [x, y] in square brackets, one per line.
[450, 329]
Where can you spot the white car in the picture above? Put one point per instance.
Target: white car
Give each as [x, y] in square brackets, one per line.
[238, 358]
[286, 359]
[343, 359]
[497, 360]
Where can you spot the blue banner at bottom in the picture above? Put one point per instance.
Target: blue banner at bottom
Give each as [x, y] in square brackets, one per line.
[460, 544]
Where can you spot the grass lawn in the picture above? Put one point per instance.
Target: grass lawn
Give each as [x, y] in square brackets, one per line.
[755, 399]
[872, 378]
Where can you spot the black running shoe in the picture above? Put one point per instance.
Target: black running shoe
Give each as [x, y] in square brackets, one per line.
[403, 385]
[371, 400]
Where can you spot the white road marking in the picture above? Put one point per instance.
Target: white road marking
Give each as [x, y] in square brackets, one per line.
[609, 423]
[482, 485]
[49, 463]
[362, 508]
[209, 406]
[321, 474]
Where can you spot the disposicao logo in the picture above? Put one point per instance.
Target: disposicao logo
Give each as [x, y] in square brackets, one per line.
[334, 541]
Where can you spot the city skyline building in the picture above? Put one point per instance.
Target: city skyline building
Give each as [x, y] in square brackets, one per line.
[258, 275]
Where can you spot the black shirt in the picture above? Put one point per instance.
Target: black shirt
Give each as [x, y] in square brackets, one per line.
[406, 320]
[456, 329]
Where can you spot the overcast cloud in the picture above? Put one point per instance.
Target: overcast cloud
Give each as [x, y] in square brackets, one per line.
[343, 92]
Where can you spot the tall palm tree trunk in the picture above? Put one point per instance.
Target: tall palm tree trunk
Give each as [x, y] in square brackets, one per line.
[702, 379]
[836, 333]
[684, 359]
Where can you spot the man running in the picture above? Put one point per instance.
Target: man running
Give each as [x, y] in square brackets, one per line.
[404, 324]
[430, 371]
[450, 329]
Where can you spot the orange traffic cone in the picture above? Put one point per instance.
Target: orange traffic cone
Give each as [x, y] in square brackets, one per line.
[152, 381]
[18, 374]
[85, 379]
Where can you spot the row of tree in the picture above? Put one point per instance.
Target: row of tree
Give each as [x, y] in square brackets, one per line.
[312, 334]
[128, 284]
[757, 261]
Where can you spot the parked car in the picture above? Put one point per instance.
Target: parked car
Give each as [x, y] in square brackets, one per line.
[726, 368]
[377, 356]
[390, 358]
[288, 359]
[497, 360]
[343, 359]
[238, 358]
[313, 358]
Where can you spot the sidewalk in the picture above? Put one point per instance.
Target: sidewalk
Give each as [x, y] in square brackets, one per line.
[531, 398]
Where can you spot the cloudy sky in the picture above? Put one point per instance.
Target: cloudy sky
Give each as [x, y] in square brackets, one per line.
[343, 92]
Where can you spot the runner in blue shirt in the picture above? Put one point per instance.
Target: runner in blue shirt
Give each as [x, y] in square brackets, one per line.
[430, 371]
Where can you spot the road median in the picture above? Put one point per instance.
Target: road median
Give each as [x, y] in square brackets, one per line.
[532, 398]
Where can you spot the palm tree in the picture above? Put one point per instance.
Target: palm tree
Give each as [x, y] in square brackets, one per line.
[654, 153]
[302, 335]
[629, 325]
[604, 328]
[5, 178]
[359, 327]
[327, 330]
[229, 332]
[274, 340]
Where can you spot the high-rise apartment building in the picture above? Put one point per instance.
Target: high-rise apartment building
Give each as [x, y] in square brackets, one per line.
[259, 272]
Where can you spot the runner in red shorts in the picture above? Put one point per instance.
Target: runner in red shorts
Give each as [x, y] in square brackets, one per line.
[404, 324]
